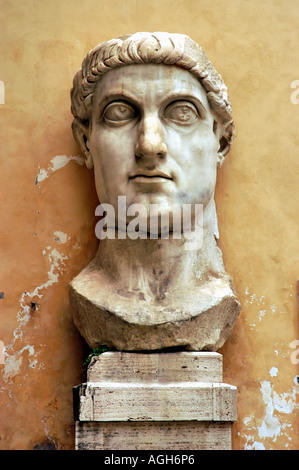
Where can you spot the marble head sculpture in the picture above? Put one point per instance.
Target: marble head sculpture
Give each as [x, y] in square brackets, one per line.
[152, 116]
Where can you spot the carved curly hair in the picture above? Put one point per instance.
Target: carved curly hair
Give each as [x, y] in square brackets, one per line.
[154, 48]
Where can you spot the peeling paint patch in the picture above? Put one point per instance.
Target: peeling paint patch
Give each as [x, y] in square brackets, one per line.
[255, 446]
[252, 298]
[273, 371]
[61, 237]
[275, 403]
[77, 246]
[251, 443]
[274, 423]
[55, 164]
[13, 359]
[247, 420]
[13, 363]
[262, 313]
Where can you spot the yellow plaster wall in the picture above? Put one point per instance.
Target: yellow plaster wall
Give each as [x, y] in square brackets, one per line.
[48, 201]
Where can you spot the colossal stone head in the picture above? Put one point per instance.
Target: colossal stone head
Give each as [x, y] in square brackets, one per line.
[152, 116]
[126, 132]
[149, 48]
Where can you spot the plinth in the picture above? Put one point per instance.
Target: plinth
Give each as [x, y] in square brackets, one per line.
[155, 401]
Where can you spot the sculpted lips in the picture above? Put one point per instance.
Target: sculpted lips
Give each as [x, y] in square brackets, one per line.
[146, 176]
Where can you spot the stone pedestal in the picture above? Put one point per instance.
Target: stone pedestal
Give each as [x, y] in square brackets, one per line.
[155, 401]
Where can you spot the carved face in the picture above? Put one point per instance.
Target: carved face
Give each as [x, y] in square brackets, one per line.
[152, 137]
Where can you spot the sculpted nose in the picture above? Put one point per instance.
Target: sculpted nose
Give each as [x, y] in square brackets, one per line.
[150, 139]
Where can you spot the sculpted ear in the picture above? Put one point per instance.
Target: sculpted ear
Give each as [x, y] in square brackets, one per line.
[81, 134]
[225, 134]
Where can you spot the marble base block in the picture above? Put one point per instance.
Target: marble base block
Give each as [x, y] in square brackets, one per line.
[155, 401]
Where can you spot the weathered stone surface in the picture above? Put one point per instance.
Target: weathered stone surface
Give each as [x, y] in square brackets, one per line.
[199, 435]
[161, 125]
[185, 401]
[144, 401]
[156, 367]
[191, 320]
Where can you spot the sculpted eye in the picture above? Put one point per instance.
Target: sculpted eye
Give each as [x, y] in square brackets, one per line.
[119, 112]
[182, 112]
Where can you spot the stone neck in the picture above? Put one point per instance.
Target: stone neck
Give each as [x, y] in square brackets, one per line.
[156, 265]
